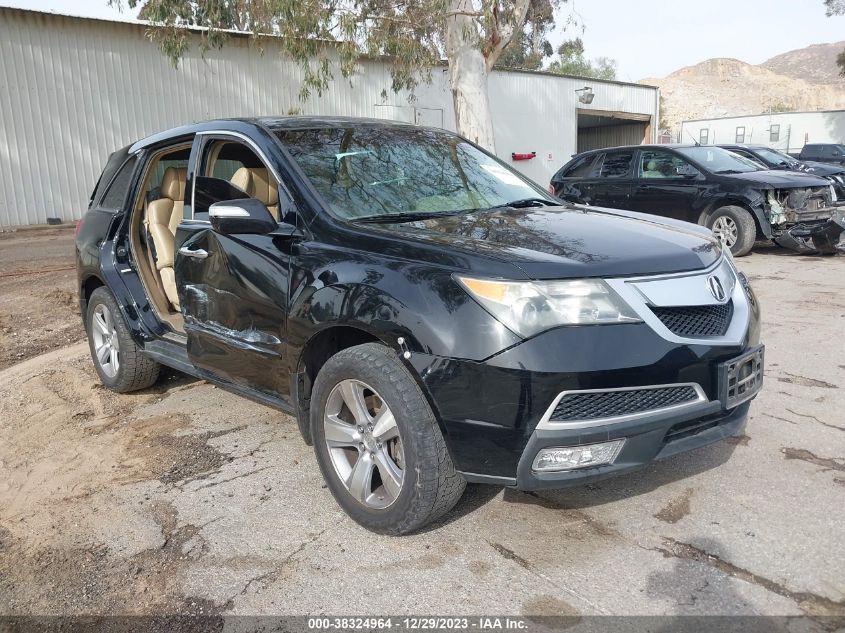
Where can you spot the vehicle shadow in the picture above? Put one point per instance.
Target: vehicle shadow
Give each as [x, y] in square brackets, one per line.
[168, 379]
[616, 488]
[770, 248]
[635, 483]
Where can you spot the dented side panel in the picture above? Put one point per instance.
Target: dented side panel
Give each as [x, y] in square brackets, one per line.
[234, 303]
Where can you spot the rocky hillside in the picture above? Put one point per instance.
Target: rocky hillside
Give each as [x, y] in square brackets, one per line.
[816, 64]
[804, 79]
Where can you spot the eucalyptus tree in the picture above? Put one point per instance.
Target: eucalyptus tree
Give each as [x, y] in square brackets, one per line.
[327, 36]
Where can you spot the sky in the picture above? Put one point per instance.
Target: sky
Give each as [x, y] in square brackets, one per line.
[647, 39]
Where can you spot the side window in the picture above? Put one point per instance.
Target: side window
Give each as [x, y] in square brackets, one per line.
[740, 134]
[657, 164]
[581, 168]
[616, 165]
[774, 132]
[704, 136]
[177, 160]
[231, 170]
[115, 196]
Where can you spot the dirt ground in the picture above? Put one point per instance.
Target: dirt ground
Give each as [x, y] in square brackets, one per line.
[187, 499]
[38, 305]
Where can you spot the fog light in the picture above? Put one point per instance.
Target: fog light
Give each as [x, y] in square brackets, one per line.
[571, 457]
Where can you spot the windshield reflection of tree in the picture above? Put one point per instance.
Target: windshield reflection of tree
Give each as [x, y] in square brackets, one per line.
[375, 171]
[518, 228]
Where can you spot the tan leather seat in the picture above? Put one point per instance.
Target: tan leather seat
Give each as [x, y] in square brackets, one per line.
[257, 183]
[163, 216]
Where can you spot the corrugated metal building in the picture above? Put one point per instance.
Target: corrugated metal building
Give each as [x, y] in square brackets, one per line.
[785, 131]
[74, 89]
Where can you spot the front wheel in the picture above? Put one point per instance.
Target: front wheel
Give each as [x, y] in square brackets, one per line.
[378, 443]
[735, 228]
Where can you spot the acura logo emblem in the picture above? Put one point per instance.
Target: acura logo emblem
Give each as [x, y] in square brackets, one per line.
[716, 289]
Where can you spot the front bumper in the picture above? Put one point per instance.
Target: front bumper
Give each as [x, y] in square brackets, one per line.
[823, 229]
[490, 410]
[646, 440]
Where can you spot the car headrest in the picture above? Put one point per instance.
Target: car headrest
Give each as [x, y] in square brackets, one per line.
[257, 183]
[173, 183]
[652, 165]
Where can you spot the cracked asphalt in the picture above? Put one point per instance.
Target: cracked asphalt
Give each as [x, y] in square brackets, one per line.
[187, 499]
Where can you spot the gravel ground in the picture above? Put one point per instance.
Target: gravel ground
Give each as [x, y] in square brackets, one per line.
[187, 499]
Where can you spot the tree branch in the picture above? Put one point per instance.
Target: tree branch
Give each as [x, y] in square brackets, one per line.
[502, 34]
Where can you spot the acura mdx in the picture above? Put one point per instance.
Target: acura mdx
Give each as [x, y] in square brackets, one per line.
[427, 314]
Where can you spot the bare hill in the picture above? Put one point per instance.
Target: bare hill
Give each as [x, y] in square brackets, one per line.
[727, 87]
[816, 63]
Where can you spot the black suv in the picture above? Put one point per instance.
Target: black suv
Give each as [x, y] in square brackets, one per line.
[773, 159]
[710, 186]
[831, 153]
[428, 315]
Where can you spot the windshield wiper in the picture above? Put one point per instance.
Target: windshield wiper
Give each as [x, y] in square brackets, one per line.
[525, 203]
[730, 171]
[390, 218]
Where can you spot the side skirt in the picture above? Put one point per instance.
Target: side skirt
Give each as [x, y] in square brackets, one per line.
[174, 354]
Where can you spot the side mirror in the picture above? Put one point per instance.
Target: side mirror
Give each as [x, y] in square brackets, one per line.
[246, 216]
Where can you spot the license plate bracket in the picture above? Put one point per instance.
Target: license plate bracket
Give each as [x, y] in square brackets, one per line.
[741, 378]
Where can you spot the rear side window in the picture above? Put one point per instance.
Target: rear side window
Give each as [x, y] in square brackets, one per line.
[581, 168]
[177, 160]
[115, 195]
[616, 165]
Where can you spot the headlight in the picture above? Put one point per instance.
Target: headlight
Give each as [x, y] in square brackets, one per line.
[529, 307]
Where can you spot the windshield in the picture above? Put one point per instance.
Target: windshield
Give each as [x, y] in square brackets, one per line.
[366, 172]
[718, 160]
[775, 157]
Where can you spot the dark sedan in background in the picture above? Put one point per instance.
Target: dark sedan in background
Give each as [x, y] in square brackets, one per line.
[707, 185]
[773, 159]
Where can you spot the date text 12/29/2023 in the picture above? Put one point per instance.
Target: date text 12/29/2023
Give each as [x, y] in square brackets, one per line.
[417, 623]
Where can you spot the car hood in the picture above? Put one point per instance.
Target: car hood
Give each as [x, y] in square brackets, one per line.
[820, 169]
[778, 179]
[563, 242]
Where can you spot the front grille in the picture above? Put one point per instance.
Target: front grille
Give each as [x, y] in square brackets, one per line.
[696, 321]
[594, 405]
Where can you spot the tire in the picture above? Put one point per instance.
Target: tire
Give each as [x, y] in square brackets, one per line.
[734, 226]
[824, 246]
[123, 366]
[413, 450]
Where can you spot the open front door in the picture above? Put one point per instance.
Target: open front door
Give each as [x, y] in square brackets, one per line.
[233, 289]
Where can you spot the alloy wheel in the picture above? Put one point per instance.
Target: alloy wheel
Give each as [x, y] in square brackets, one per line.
[726, 230]
[364, 444]
[106, 342]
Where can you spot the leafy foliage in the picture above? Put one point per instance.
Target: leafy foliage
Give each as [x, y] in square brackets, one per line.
[572, 61]
[837, 7]
[326, 35]
[530, 46]
[318, 34]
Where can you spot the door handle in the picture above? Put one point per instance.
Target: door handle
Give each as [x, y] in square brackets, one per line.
[196, 254]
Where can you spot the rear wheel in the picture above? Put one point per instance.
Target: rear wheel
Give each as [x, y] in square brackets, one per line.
[119, 362]
[735, 228]
[378, 444]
